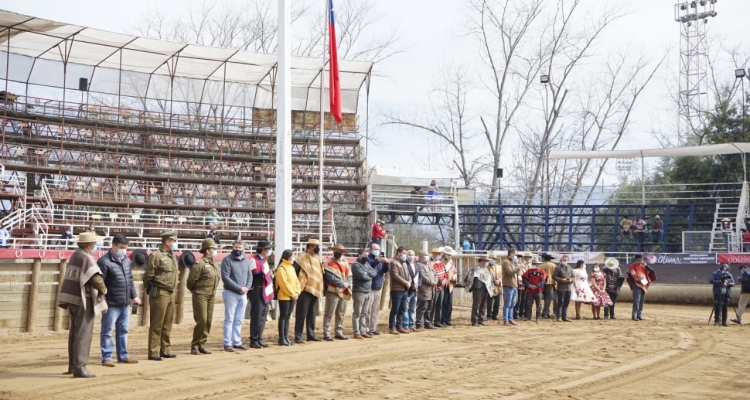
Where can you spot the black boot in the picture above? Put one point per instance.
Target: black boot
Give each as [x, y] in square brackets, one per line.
[282, 335]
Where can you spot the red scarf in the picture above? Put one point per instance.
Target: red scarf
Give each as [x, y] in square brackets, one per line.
[261, 267]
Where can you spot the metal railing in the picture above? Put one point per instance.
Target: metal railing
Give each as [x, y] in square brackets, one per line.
[405, 202]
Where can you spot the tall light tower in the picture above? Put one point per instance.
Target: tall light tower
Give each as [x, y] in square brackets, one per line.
[693, 85]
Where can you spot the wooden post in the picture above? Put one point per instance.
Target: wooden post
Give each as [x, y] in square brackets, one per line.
[179, 302]
[59, 312]
[33, 294]
[385, 296]
[145, 300]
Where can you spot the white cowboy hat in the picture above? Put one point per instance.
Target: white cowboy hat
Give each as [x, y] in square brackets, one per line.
[88, 237]
[449, 250]
[611, 263]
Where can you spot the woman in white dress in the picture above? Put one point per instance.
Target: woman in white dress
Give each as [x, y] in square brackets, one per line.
[581, 292]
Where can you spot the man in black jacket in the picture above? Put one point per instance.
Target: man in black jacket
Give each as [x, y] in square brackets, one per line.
[121, 294]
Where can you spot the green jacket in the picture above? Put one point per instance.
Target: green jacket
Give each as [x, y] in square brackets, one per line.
[204, 277]
[162, 268]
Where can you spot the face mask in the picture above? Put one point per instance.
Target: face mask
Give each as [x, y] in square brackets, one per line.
[564, 264]
[403, 257]
[533, 266]
[96, 247]
[120, 253]
[426, 259]
[317, 250]
[209, 253]
[270, 253]
[337, 255]
[174, 246]
[492, 262]
[375, 253]
[410, 258]
[596, 269]
[293, 260]
[237, 253]
[515, 259]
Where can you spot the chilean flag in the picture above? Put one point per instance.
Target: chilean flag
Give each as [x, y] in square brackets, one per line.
[333, 72]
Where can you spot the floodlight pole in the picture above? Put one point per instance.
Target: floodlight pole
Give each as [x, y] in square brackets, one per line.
[321, 145]
[283, 217]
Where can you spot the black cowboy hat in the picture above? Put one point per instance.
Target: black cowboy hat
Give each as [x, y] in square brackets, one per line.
[139, 257]
[547, 257]
[263, 244]
[187, 258]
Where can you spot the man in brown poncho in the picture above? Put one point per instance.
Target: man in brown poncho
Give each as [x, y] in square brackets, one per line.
[82, 293]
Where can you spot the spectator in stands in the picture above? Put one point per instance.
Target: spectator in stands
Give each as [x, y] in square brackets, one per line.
[417, 192]
[4, 236]
[640, 229]
[378, 232]
[726, 230]
[212, 218]
[625, 227]
[213, 236]
[656, 230]
[121, 294]
[469, 244]
[434, 191]
[747, 223]
[745, 240]
[237, 279]
[379, 263]
[66, 238]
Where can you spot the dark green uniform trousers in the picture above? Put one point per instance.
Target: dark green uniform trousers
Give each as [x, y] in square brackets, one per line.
[203, 313]
[162, 315]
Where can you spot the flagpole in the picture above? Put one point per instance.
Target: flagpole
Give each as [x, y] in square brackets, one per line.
[283, 217]
[321, 148]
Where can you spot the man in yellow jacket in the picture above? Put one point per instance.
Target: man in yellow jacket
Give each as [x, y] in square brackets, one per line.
[288, 291]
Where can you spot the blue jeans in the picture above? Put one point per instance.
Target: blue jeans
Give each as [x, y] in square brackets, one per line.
[234, 314]
[639, 295]
[411, 307]
[118, 318]
[509, 301]
[398, 309]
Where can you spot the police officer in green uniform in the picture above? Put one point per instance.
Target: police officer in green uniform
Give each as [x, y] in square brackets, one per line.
[160, 280]
[202, 281]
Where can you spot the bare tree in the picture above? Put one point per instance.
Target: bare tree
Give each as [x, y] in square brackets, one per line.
[448, 120]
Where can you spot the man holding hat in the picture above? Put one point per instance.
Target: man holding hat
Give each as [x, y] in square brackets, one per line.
[493, 302]
[261, 293]
[161, 279]
[379, 263]
[310, 273]
[442, 282]
[479, 283]
[237, 279]
[614, 280]
[378, 232]
[640, 276]
[82, 293]
[452, 276]
[533, 282]
[549, 286]
[520, 308]
[202, 281]
[121, 293]
[338, 277]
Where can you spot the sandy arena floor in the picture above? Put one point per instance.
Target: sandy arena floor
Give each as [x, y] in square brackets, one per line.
[673, 355]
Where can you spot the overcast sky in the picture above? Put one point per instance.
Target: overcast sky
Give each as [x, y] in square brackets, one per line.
[431, 38]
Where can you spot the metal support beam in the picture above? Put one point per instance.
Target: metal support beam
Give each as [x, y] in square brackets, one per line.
[283, 234]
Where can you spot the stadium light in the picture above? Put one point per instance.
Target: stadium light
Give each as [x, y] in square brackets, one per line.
[739, 73]
[544, 79]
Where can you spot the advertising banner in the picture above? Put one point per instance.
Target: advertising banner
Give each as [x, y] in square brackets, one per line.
[732, 258]
[681, 258]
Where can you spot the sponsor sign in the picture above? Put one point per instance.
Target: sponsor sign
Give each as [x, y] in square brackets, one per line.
[681, 258]
[587, 257]
[731, 258]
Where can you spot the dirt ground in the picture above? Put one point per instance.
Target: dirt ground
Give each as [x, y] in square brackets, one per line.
[672, 355]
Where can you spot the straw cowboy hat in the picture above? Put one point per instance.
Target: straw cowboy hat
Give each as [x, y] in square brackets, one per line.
[527, 254]
[611, 263]
[339, 248]
[381, 222]
[437, 250]
[88, 237]
[484, 258]
[726, 220]
[449, 250]
[313, 242]
[535, 260]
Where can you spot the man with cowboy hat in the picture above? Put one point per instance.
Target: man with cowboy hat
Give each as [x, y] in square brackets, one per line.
[549, 286]
[442, 281]
[202, 282]
[161, 279]
[478, 282]
[520, 308]
[310, 273]
[378, 233]
[533, 282]
[261, 293]
[82, 293]
[614, 280]
[640, 276]
[452, 276]
[493, 302]
[338, 278]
